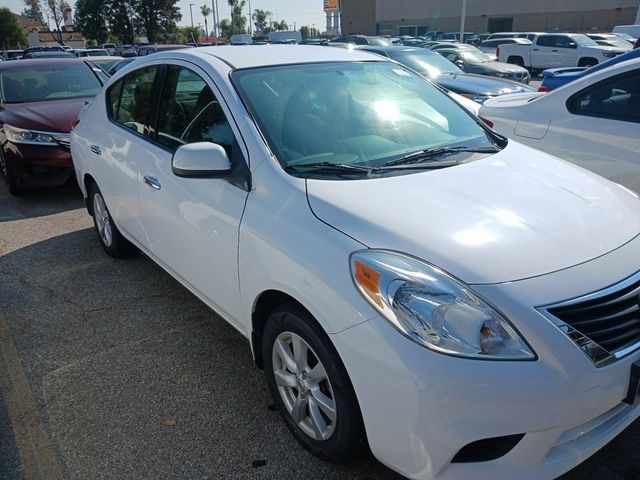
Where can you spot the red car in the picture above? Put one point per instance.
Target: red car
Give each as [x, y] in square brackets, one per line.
[39, 103]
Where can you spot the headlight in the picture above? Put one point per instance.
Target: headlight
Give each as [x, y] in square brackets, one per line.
[433, 309]
[608, 54]
[33, 137]
[502, 74]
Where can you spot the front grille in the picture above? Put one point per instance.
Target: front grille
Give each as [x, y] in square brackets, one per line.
[609, 318]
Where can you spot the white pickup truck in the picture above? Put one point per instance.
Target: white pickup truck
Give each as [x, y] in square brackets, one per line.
[552, 50]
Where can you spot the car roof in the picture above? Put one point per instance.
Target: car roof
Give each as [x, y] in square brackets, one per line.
[246, 56]
[40, 62]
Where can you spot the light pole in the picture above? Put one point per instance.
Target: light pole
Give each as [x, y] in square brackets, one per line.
[250, 20]
[463, 16]
[191, 11]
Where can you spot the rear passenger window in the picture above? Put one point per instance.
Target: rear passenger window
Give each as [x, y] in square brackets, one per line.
[190, 112]
[130, 99]
[616, 98]
[547, 41]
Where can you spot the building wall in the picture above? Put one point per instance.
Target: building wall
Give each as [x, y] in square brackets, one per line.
[531, 15]
[358, 16]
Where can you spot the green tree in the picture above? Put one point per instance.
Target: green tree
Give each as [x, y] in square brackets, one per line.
[206, 11]
[158, 18]
[11, 34]
[191, 33]
[280, 26]
[261, 20]
[309, 32]
[225, 27]
[91, 19]
[54, 9]
[33, 9]
[238, 21]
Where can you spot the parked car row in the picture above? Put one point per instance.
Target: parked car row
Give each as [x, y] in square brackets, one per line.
[409, 275]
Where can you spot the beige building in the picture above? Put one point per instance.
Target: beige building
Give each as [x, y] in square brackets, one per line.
[415, 17]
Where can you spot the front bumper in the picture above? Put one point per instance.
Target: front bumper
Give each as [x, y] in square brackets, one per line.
[38, 165]
[420, 408]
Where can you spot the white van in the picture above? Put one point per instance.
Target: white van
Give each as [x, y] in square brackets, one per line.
[633, 30]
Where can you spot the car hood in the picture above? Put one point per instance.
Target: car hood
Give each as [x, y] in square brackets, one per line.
[480, 84]
[513, 215]
[53, 116]
[610, 49]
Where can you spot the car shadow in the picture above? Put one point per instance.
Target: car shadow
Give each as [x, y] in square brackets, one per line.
[132, 373]
[38, 203]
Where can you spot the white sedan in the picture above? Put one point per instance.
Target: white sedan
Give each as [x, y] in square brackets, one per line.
[409, 280]
[593, 121]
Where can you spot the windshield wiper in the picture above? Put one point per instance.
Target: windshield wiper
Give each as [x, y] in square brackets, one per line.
[328, 167]
[425, 157]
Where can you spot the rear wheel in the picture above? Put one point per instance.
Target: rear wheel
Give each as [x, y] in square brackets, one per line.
[516, 61]
[310, 386]
[110, 237]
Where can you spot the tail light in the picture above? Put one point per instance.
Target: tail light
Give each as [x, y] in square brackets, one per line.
[486, 121]
[543, 89]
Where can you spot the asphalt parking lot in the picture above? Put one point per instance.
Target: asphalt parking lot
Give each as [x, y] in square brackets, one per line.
[115, 371]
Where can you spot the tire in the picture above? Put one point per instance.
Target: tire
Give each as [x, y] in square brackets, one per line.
[587, 62]
[516, 61]
[10, 179]
[343, 438]
[109, 236]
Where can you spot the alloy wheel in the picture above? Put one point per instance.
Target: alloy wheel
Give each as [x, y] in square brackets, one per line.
[103, 223]
[304, 386]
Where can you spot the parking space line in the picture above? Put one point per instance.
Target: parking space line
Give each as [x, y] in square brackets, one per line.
[32, 442]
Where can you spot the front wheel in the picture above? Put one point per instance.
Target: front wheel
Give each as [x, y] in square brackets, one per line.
[10, 178]
[310, 386]
[110, 237]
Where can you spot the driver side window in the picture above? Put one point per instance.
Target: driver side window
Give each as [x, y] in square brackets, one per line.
[190, 112]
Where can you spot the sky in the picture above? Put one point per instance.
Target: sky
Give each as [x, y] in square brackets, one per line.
[302, 12]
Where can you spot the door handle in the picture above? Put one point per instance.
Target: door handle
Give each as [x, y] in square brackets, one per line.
[535, 49]
[152, 182]
[554, 50]
[96, 149]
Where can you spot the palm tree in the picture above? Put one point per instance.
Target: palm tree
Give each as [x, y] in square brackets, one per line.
[237, 19]
[206, 11]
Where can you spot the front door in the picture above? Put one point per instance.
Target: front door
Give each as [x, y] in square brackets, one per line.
[193, 223]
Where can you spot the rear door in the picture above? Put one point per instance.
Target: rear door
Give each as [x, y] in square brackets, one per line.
[598, 129]
[123, 147]
[193, 223]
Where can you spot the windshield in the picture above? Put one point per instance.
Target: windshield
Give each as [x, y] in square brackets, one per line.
[357, 113]
[429, 64]
[379, 42]
[584, 41]
[475, 56]
[37, 83]
[617, 42]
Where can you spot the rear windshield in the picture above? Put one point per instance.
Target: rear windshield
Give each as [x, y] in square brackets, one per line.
[37, 83]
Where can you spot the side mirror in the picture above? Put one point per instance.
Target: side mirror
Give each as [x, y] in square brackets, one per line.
[572, 45]
[459, 63]
[200, 160]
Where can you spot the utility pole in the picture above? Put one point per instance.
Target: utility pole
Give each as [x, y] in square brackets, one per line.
[250, 19]
[463, 16]
[191, 11]
[215, 24]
